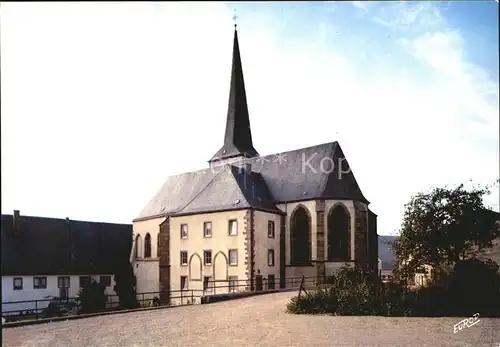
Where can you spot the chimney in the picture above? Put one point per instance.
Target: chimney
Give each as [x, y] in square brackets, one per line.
[16, 221]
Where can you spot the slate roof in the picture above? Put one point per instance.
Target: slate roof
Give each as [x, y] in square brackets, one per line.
[50, 246]
[290, 176]
[231, 188]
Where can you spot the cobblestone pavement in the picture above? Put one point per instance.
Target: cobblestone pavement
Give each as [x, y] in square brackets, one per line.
[254, 321]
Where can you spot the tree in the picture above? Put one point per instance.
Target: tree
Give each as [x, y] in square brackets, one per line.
[442, 227]
[125, 287]
[92, 298]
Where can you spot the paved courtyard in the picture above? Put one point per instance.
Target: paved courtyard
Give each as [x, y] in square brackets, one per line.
[254, 321]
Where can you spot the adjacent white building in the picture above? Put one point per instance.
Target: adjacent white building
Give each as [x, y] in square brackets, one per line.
[47, 257]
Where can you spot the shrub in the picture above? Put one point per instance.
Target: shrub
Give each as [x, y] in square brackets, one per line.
[347, 292]
[474, 287]
[395, 300]
[59, 307]
[156, 301]
[319, 301]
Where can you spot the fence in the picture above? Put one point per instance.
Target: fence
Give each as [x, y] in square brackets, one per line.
[53, 307]
[258, 284]
[50, 307]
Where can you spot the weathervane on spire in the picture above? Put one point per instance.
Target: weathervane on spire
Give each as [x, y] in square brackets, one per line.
[235, 17]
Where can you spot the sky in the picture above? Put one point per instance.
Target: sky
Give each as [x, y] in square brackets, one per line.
[101, 102]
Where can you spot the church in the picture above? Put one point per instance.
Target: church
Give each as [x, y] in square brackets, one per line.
[280, 216]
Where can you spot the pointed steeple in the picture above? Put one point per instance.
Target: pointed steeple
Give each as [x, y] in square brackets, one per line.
[238, 137]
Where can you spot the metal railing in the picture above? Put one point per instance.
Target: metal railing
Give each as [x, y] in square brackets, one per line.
[246, 285]
[56, 307]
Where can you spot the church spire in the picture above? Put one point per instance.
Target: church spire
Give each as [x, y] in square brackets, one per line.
[238, 136]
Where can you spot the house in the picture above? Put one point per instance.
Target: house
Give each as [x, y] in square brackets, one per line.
[386, 276]
[281, 215]
[43, 257]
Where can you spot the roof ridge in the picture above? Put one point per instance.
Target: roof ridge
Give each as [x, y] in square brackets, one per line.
[290, 151]
[65, 219]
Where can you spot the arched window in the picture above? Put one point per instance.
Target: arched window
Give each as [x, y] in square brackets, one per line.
[138, 246]
[338, 234]
[147, 246]
[300, 237]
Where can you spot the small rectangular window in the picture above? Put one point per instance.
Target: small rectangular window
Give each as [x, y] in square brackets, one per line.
[184, 258]
[233, 227]
[207, 257]
[270, 257]
[207, 229]
[39, 282]
[184, 231]
[84, 281]
[184, 283]
[63, 282]
[233, 257]
[233, 283]
[270, 229]
[18, 283]
[207, 283]
[106, 280]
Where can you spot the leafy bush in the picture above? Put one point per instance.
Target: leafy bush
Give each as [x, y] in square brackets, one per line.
[59, 307]
[474, 287]
[347, 292]
[319, 301]
[395, 300]
[156, 301]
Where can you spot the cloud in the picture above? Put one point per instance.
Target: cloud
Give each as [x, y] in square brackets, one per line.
[408, 16]
[469, 86]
